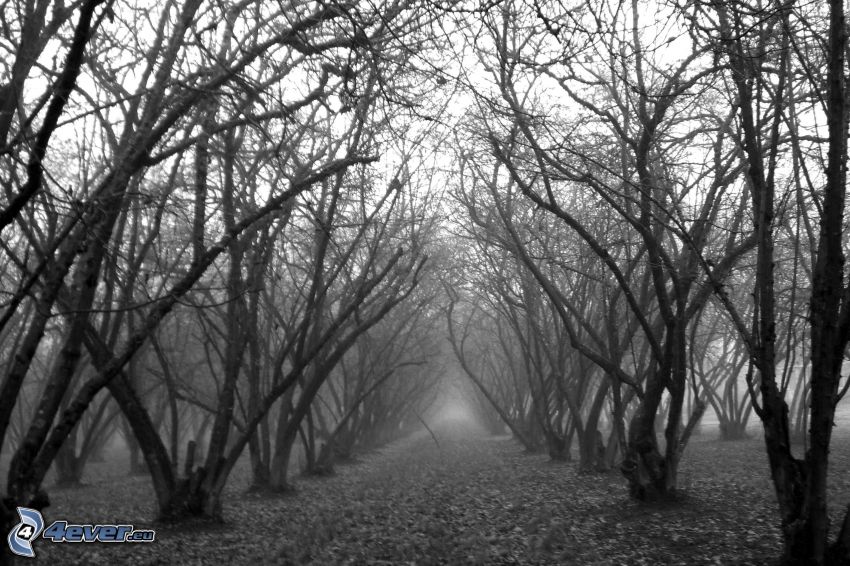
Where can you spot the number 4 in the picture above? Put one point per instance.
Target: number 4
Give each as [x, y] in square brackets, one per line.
[55, 532]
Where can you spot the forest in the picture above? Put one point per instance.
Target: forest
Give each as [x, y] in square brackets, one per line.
[246, 245]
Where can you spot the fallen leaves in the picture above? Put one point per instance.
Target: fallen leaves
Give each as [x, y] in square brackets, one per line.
[472, 500]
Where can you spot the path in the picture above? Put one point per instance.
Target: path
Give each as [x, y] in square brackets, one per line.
[473, 499]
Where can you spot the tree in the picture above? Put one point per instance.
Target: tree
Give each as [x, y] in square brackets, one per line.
[625, 151]
[775, 105]
[297, 82]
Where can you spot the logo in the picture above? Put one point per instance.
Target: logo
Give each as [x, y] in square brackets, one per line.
[32, 525]
[20, 538]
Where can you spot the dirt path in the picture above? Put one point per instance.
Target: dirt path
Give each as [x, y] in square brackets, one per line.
[476, 499]
[429, 503]
[472, 499]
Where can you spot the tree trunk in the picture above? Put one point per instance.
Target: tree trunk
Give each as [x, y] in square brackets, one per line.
[69, 465]
[588, 441]
[259, 464]
[731, 429]
[280, 462]
[282, 451]
[557, 447]
[644, 466]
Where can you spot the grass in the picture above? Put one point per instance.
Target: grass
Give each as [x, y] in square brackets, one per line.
[471, 500]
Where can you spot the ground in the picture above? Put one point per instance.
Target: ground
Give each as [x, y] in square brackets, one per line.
[471, 499]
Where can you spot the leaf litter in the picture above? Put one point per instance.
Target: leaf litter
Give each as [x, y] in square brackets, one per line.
[474, 499]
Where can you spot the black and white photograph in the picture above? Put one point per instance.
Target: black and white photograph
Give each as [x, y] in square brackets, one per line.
[424, 282]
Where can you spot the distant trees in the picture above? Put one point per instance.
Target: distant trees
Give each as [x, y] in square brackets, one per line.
[382, 386]
[514, 343]
[592, 130]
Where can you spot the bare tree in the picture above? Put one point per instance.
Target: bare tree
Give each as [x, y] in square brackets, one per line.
[186, 84]
[762, 50]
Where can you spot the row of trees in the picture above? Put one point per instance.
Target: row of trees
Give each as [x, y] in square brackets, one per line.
[652, 201]
[216, 217]
[212, 234]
